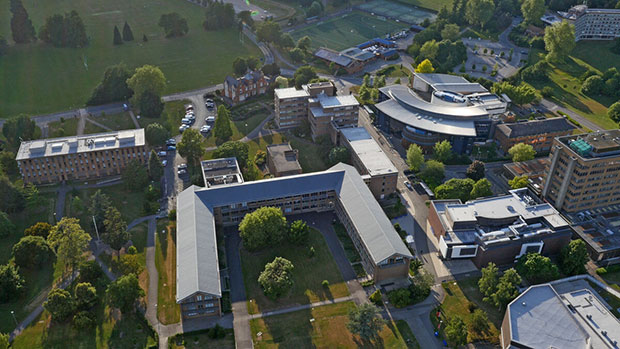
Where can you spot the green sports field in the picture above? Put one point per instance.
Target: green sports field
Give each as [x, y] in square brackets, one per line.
[349, 30]
[37, 78]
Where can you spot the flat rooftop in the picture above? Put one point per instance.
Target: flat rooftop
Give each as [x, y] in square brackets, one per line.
[221, 171]
[535, 127]
[370, 153]
[542, 317]
[600, 231]
[41, 148]
[290, 92]
[597, 144]
[337, 101]
[284, 157]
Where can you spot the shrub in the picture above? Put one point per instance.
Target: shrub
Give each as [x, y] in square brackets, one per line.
[471, 306]
[172, 215]
[83, 321]
[325, 283]
[367, 283]
[601, 271]
[375, 297]
[400, 298]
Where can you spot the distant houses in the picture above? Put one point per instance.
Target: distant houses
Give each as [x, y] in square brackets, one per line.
[252, 84]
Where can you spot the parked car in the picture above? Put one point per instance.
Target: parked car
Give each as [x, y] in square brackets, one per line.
[210, 120]
[186, 121]
[189, 107]
[183, 128]
[171, 148]
[171, 141]
[205, 129]
[164, 163]
[408, 185]
[162, 153]
[125, 107]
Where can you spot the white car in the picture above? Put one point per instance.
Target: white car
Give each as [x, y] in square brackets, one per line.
[210, 120]
[408, 185]
[162, 153]
[183, 128]
[164, 163]
[205, 129]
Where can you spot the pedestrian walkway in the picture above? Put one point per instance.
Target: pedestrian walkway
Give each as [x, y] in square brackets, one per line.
[133, 118]
[89, 120]
[81, 121]
[300, 307]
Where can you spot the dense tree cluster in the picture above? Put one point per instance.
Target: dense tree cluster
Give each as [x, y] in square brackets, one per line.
[64, 31]
[264, 227]
[463, 189]
[574, 257]
[113, 87]
[219, 15]
[499, 290]
[537, 268]
[365, 321]
[11, 282]
[338, 154]
[19, 129]
[520, 95]
[559, 40]
[522, 152]
[21, 25]
[32, 251]
[173, 24]
[606, 84]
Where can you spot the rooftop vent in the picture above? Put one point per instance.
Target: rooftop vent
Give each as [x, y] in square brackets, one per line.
[523, 304]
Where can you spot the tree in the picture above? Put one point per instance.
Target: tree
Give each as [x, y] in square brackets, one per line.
[219, 15]
[144, 38]
[456, 331]
[507, 289]
[489, 280]
[150, 105]
[12, 197]
[69, 241]
[263, 227]
[134, 175]
[8, 165]
[297, 55]
[252, 63]
[593, 85]
[173, 24]
[31, 195]
[455, 188]
[234, 149]
[518, 182]
[537, 268]
[338, 154]
[130, 264]
[286, 41]
[268, 31]
[246, 17]
[450, 32]
[59, 304]
[113, 86]
[190, 147]
[116, 234]
[365, 321]
[67, 31]
[298, 232]
[271, 70]
[479, 12]
[118, 40]
[156, 170]
[475, 171]
[99, 203]
[574, 257]
[239, 66]
[521, 152]
[222, 129]
[90, 272]
[429, 50]
[304, 43]
[400, 298]
[147, 78]
[415, 157]
[314, 10]
[559, 40]
[32, 251]
[85, 296]
[83, 320]
[11, 283]
[21, 25]
[482, 188]
[156, 135]
[18, 129]
[532, 10]
[276, 278]
[433, 173]
[127, 33]
[41, 229]
[6, 226]
[380, 81]
[4, 341]
[124, 292]
[479, 322]
[442, 151]
[614, 112]
[303, 75]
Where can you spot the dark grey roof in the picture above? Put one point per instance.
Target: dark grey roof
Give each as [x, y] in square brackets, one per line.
[436, 78]
[197, 260]
[535, 127]
[333, 56]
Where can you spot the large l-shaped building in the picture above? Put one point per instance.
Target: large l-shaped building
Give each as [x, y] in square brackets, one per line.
[340, 189]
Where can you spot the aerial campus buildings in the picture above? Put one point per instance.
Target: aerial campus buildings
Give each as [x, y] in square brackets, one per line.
[594, 23]
[90, 156]
[340, 189]
[438, 107]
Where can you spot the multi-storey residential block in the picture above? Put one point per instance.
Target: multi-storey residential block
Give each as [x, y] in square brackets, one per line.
[291, 107]
[283, 160]
[376, 168]
[239, 89]
[537, 133]
[497, 229]
[85, 157]
[584, 172]
[340, 189]
[595, 23]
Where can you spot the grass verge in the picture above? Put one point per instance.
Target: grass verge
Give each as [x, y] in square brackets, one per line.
[168, 311]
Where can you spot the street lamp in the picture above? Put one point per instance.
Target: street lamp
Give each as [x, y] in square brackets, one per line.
[13, 313]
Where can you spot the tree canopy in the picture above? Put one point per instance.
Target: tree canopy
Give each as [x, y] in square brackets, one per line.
[518, 182]
[191, 146]
[475, 171]
[456, 331]
[415, 157]
[147, 78]
[21, 25]
[11, 282]
[116, 234]
[124, 292]
[67, 31]
[69, 241]
[303, 75]
[537, 268]
[507, 288]
[479, 12]
[559, 40]
[521, 152]
[442, 151]
[60, 304]
[6, 226]
[156, 170]
[482, 188]
[614, 112]
[173, 24]
[156, 135]
[574, 257]
[425, 67]
[219, 15]
[276, 279]
[113, 86]
[135, 175]
[268, 31]
[222, 129]
[234, 149]
[455, 188]
[263, 227]
[41, 229]
[433, 173]
[298, 232]
[532, 10]
[338, 154]
[365, 321]
[99, 203]
[127, 32]
[18, 129]
[489, 280]
[32, 251]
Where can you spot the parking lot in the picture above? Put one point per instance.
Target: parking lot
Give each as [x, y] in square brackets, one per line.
[496, 53]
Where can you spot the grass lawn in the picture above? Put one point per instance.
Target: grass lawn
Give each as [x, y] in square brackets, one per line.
[458, 296]
[63, 128]
[311, 156]
[395, 71]
[170, 118]
[308, 273]
[138, 238]
[120, 121]
[200, 339]
[429, 4]
[168, 311]
[241, 128]
[328, 330]
[564, 79]
[113, 330]
[47, 79]
[346, 31]
[92, 128]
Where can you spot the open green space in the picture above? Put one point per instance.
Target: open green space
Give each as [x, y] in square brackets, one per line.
[395, 71]
[460, 295]
[429, 4]
[63, 128]
[245, 119]
[311, 155]
[168, 311]
[120, 121]
[200, 339]
[327, 330]
[113, 330]
[92, 128]
[564, 79]
[398, 11]
[47, 79]
[307, 275]
[346, 31]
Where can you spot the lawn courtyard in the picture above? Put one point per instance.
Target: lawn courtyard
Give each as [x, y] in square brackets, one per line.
[323, 327]
[346, 31]
[45, 79]
[308, 274]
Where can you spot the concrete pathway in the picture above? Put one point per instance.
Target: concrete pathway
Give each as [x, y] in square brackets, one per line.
[133, 118]
[81, 121]
[301, 307]
[98, 124]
